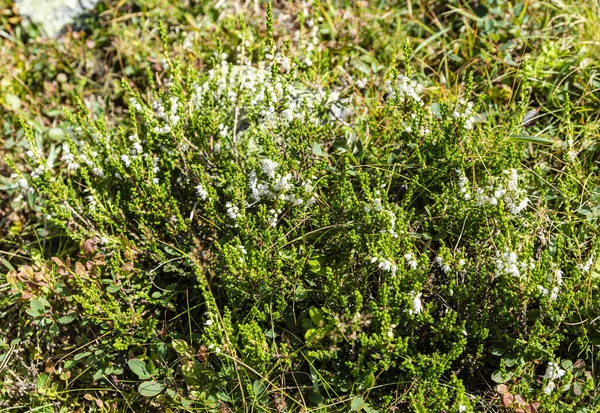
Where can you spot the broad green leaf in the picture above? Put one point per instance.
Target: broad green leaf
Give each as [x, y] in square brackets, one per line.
[37, 306]
[180, 346]
[41, 380]
[316, 317]
[260, 390]
[357, 404]
[150, 388]
[317, 150]
[65, 319]
[138, 367]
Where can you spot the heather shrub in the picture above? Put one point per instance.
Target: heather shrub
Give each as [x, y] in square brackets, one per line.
[253, 239]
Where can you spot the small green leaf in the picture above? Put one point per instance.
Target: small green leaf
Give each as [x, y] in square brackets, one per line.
[180, 346]
[7, 264]
[567, 365]
[138, 367]
[499, 378]
[150, 388]
[317, 150]
[66, 319]
[316, 317]
[260, 390]
[41, 380]
[113, 288]
[37, 306]
[357, 404]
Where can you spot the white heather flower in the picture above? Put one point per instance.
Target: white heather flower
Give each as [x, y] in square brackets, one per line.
[361, 83]
[268, 167]
[208, 322]
[558, 276]
[377, 204]
[202, 193]
[507, 264]
[585, 267]
[217, 350]
[554, 294]
[233, 211]
[272, 218]
[283, 184]
[417, 305]
[406, 88]
[385, 265]
[549, 387]
[23, 184]
[461, 263]
[37, 172]
[553, 371]
[412, 263]
[126, 161]
[462, 408]
[542, 290]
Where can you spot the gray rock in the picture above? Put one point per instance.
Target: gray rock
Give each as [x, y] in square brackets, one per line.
[52, 15]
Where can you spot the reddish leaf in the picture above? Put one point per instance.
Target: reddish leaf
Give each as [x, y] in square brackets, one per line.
[502, 389]
[507, 399]
[89, 246]
[80, 269]
[520, 400]
[58, 261]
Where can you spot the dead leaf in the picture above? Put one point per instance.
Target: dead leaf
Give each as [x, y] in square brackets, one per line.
[202, 354]
[127, 267]
[502, 389]
[49, 367]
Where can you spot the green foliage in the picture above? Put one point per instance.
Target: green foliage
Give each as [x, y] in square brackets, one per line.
[264, 233]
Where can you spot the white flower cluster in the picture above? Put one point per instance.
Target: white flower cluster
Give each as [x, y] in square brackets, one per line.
[417, 305]
[202, 193]
[444, 266]
[277, 186]
[586, 266]
[228, 84]
[410, 261]
[463, 185]
[137, 106]
[553, 371]
[68, 158]
[385, 265]
[406, 88]
[22, 183]
[557, 278]
[507, 264]
[233, 211]
[170, 118]
[515, 198]
[39, 171]
[464, 110]
[377, 206]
